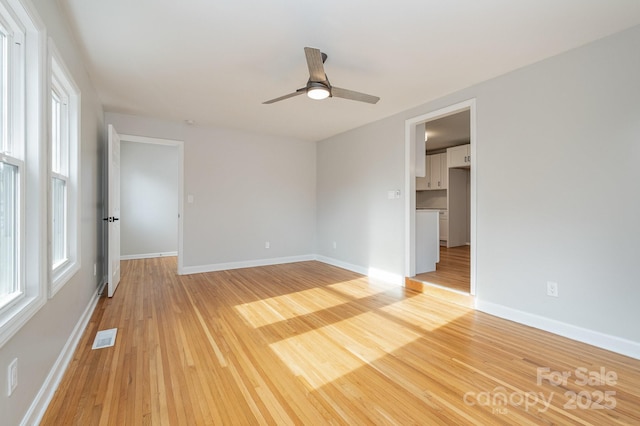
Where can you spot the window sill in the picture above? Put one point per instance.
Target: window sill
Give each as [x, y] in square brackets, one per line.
[17, 315]
[61, 275]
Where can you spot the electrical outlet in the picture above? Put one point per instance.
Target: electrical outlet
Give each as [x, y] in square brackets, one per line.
[12, 377]
[552, 289]
[267, 245]
[95, 269]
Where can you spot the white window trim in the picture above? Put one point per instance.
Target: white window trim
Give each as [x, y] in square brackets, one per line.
[63, 272]
[33, 216]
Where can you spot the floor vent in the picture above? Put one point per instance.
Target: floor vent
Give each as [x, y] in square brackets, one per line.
[105, 339]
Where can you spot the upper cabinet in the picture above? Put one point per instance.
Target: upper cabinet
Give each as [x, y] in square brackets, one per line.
[459, 156]
[421, 151]
[437, 173]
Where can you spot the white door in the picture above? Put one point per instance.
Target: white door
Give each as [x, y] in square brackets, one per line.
[113, 218]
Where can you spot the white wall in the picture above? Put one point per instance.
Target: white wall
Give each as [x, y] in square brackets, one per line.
[559, 197]
[557, 189]
[355, 172]
[247, 189]
[148, 199]
[38, 344]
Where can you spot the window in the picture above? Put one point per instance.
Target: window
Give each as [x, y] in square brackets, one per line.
[22, 188]
[9, 188]
[59, 178]
[11, 166]
[63, 149]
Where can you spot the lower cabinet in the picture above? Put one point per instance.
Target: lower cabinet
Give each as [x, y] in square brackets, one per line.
[444, 227]
[427, 244]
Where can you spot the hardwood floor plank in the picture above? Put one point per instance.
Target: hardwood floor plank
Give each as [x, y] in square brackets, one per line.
[453, 271]
[308, 343]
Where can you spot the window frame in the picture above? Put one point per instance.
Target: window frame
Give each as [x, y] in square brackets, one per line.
[61, 82]
[11, 146]
[25, 127]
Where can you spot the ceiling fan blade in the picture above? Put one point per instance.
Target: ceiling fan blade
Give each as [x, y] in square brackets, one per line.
[290, 95]
[354, 96]
[315, 64]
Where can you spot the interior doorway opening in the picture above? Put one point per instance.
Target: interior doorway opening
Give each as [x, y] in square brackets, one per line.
[152, 194]
[440, 176]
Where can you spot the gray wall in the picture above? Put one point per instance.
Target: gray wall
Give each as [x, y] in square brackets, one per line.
[247, 189]
[557, 188]
[148, 199]
[38, 344]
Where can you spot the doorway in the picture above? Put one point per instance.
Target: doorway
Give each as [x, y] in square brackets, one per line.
[415, 149]
[152, 208]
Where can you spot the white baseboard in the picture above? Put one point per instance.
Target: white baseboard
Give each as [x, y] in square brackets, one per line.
[376, 274]
[605, 341]
[340, 264]
[373, 273]
[186, 270]
[102, 285]
[39, 405]
[387, 277]
[148, 255]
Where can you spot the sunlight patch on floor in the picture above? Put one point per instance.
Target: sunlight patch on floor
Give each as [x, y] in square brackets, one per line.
[281, 308]
[357, 289]
[412, 310]
[323, 355]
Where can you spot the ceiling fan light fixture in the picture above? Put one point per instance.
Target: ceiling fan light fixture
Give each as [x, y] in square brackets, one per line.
[318, 91]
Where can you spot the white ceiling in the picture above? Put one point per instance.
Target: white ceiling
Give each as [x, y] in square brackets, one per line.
[216, 61]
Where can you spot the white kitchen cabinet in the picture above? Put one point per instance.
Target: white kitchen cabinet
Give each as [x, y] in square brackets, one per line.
[427, 241]
[422, 183]
[436, 174]
[459, 156]
[444, 225]
[421, 151]
[444, 171]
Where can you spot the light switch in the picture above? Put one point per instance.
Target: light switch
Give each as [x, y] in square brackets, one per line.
[190, 199]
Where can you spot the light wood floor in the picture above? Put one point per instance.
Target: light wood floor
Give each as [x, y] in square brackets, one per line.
[308, 343]
[453, 271]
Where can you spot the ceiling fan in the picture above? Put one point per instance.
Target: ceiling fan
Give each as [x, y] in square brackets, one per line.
[318, 86]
